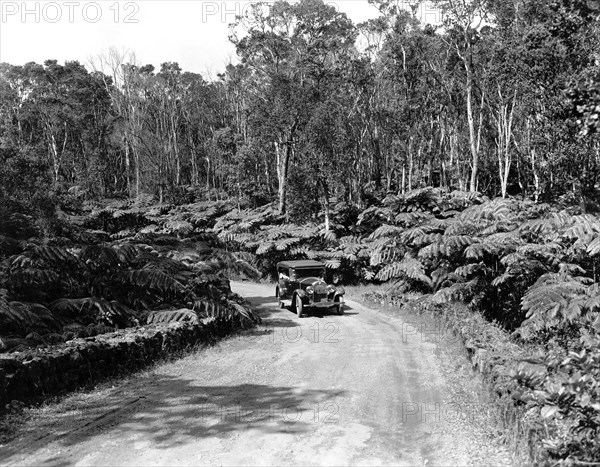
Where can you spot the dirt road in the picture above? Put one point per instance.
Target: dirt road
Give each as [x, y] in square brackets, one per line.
[359, 389]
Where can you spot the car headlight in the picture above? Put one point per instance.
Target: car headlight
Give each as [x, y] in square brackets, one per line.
[310, 290]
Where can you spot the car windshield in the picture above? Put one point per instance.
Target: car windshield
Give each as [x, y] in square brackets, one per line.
[313, 272]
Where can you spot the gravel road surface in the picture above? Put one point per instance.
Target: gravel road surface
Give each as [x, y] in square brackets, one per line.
[364, 388]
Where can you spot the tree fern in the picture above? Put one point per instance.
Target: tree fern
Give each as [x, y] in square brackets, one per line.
[593, 247]
[471, 270]
[486, 248]
[333, 263]
[410, 235]
[26, 277]
[451, 245]
[558, 298]
[95, 310]
[498, 209]
[472, 227]
[459, 292]
[50, 254]
[410, 268]
[385, 252]
[426, 239]
[173, 316]
[9, 246]
[284, 243]
[100, 257]
[581, 226]
[152, 279]
[126, 253]
[546, 228]
[385, 230]
[229, 310]
[167, 265]
[18, 318]
[375, 214]
[410, 219]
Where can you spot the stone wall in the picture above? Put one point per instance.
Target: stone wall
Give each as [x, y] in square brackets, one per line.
[35, 375]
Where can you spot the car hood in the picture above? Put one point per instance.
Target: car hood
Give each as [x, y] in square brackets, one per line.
[304, 283]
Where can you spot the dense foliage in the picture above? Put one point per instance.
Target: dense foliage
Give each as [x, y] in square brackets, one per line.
[319, 110]
[459, 160]
[94, 281]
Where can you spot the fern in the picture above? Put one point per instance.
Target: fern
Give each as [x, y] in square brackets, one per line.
[173, 316]
[410, 235]
[470, 227]
[20, 318]
[375, 214]
[167, 265]
[385, 231]
[50, 254]
[386, 252]
[426, 239]
[329, 235]
[100, 257]
[410, 268]
[98, 310]
[153, 279]
[229, 311]
[333, 263]
[582, 225]
[594, 247]
[499, 209]
[32, 277]
[410, 219]
[285, 243]
[9, 246]
[126, 253]
[559, 298]
[264, 248]
[487, 248]
[471, 270]
[459, 292]
[447, 246]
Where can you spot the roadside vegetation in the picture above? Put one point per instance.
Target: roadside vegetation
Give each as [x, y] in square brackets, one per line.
[460, 163]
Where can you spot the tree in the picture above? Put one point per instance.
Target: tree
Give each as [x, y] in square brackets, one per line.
[291, 52]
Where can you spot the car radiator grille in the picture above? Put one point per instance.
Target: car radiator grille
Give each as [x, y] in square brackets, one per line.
[320, 293]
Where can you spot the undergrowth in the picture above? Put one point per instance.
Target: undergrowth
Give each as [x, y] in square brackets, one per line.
[531, 269]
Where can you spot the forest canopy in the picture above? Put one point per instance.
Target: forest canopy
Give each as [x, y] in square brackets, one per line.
[502, 98]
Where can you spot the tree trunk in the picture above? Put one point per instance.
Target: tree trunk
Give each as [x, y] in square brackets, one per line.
[283, 159]
[376, 157]
[403, 179]
[472, 136]
[284, 155]
[127, 167]
[326, 204]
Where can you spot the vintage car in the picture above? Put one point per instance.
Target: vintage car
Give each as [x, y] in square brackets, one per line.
[301, 286]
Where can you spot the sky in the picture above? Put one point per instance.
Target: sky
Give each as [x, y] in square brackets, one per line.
[190, 32]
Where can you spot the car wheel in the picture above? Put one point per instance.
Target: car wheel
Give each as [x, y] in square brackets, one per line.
[299, 306]
[339, 305]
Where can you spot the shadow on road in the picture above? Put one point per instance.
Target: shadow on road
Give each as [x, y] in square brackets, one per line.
[172, 411]
[272, 316]
[267, 308]
[261, 301]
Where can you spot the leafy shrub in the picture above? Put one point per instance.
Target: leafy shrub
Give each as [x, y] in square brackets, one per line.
[566, 393]
[108, 284]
